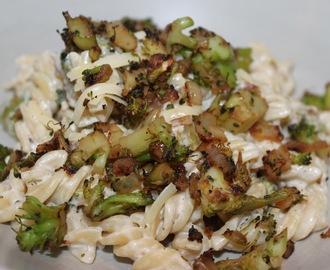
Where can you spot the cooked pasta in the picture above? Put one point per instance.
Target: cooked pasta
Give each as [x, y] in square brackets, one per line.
[167, 146]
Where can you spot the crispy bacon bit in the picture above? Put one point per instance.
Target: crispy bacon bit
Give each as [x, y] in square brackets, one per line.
[123, 166]
[294, 198]
[276, 162]
[205, 262]
[241, 178]
[102, 126]
[157, 151]
[219, 157]
[56, 143]
[265, 131]
[193, 187]
[98, 74]
[289, 249]
[171, 95]
[208, 232]
[326, 234]
[319, 146]
[181, 182]
[195, 235]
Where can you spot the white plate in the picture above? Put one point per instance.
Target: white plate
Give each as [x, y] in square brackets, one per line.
[297, 30]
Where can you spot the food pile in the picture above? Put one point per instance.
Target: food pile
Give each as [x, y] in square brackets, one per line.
[163, 143]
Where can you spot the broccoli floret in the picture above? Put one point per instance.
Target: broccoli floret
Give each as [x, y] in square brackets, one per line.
[99, 208]
[301, 158]
[4, 152]
[135, 25]
[221, 196]
[48, 229]
[136, 110]
[265, 256]
[303, 132]
[93, 195]
[322, 102]
[175, 35]
[75, 161]
[11, 114]
[170, 151]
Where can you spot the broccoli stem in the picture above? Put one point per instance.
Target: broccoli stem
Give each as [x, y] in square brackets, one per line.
[138, 141]
[249, 203]
[265, 256]
[117, 204]
[175, 35]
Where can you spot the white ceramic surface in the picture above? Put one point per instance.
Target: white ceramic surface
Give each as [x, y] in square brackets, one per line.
[298, 30]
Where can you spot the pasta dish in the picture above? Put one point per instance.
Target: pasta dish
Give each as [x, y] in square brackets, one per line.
[170, 145]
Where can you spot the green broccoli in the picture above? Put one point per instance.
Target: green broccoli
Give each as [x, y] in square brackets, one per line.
[301, 158]
[136, 110]
[175, 35]
[158, 130]
[75, 161]
[322, 102]
[162, 152]
[99, 208]
[135, 25]
[213, 60]
[48, 229]
[221, 196]
[303, 132]
[265, 256]
[10, 114]
[4, 170]
[80, 36]
[243, 58]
